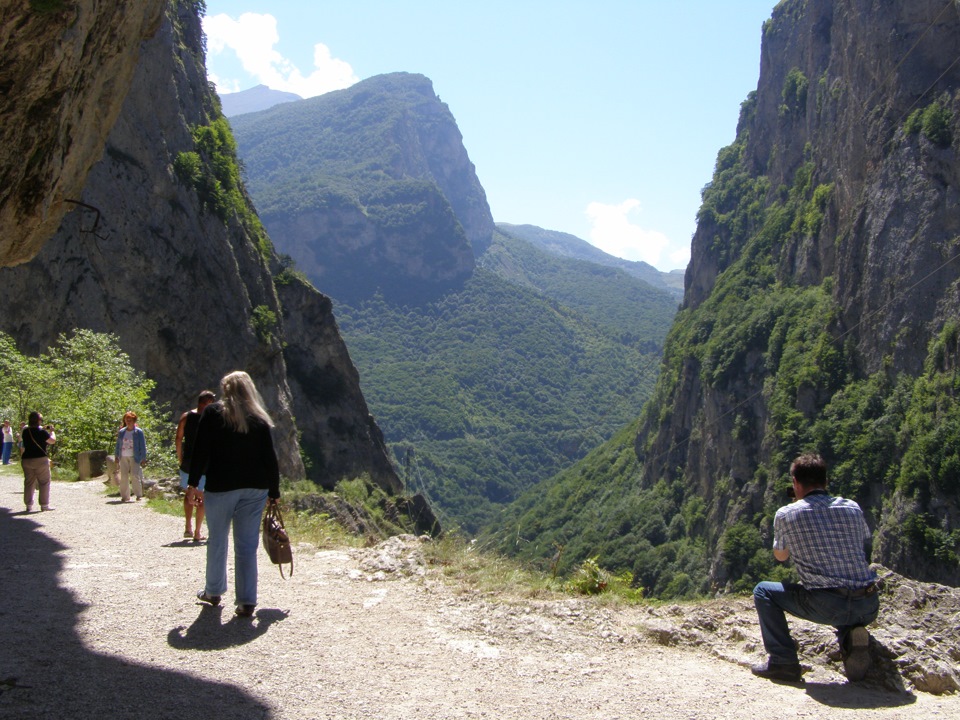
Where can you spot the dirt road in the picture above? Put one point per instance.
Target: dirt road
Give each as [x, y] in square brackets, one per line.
[99, 620]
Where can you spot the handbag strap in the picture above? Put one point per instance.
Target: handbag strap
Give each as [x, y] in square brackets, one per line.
[30, 432]
[273, 510]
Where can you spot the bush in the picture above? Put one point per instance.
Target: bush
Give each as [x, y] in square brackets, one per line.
[936, 124]
[794, 93]
[590, 579]
[934, 121]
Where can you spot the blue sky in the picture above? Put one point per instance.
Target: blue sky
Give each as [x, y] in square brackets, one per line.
[601, 119]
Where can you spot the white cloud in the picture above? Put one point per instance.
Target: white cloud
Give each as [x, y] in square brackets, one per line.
[253, 38]
[613, 232]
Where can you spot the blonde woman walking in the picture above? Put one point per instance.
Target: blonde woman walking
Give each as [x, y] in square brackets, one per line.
[234, 449]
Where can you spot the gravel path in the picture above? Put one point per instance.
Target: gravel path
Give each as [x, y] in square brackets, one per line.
[99, 621]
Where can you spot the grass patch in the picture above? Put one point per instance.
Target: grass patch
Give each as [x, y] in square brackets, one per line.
[473, 569]
[318, 529]
[160, 504]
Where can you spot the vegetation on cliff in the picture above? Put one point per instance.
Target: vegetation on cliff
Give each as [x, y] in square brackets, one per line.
[353, 144]
[769, 348]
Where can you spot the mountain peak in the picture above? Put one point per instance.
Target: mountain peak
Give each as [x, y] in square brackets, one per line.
[259, 97]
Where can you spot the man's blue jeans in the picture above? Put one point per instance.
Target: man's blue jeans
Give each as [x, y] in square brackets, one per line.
[243, 508]
[826, 607]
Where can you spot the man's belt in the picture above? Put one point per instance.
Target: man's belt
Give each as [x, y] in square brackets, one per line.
[855, 592]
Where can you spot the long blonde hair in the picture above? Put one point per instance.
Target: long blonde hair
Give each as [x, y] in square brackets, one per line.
[240, 400]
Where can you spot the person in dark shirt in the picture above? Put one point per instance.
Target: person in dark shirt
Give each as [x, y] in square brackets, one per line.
[186, 435]
[35, 462]
[234, 449]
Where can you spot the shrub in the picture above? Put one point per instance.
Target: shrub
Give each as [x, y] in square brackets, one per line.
[936, 124]
[590, 579]
[264, 322]
[794, 93]
[933, 121]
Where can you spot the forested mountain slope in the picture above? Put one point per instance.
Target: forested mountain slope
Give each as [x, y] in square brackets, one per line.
[489, 363]
[636, 312]
[368, 189]
[821, 313]
[491, 389]
[570, 246]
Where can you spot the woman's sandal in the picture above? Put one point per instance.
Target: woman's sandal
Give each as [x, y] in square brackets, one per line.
[214, 600]
[245, 610]
[199, 538]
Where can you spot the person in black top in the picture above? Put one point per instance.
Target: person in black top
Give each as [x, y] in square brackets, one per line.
[186, 434]
[34, 461]
[234, 448]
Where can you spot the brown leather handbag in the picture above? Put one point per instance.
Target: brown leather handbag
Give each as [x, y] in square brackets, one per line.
[275, 539]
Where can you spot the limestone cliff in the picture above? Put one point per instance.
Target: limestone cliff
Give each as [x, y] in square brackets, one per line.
[65, 73]
[380, 194]
[339, 435]
[822, 295]
[185, 285]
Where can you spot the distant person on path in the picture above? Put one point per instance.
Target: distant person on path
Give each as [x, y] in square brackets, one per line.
[35, 463]
[131, 454]
[829, 541]
[186, 435]
[234, 448]
[7, 442]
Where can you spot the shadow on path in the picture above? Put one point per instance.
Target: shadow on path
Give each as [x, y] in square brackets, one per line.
[845, 695]
[209, 632]
[46, 672]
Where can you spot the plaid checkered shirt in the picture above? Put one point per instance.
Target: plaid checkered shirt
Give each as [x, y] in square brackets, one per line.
[825, 537]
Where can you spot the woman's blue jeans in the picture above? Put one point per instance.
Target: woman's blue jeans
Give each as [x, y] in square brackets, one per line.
[244, 509]
[826, 607]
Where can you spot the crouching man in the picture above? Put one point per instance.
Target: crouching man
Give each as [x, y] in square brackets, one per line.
[828, 540]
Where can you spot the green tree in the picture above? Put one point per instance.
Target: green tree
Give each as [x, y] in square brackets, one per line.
[83, 385]
[24, 382]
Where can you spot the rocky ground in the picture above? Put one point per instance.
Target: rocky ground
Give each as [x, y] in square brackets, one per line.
[99, 620]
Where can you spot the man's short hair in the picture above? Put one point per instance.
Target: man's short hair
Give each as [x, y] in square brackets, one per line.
[809, 470]
[206, 396]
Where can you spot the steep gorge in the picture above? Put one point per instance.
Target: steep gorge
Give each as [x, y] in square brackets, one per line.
[820, 314]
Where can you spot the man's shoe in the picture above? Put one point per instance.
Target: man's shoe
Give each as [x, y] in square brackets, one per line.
[786, 672]
[245, 610]
[856, 655]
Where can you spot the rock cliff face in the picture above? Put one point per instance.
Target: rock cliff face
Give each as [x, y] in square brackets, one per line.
[339, 436]
[64, 76]
[842, 186]
[406, 220]
[190, 295]
[858, 77]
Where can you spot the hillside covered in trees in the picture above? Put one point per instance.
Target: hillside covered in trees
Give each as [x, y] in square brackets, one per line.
[489, 362]
[494, 388]
[821, 313]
